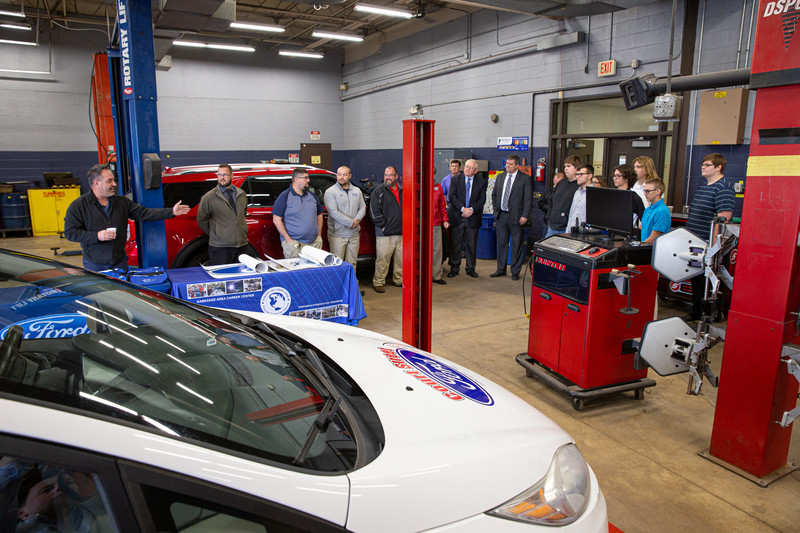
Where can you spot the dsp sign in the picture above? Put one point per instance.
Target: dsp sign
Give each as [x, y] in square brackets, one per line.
[776, 51]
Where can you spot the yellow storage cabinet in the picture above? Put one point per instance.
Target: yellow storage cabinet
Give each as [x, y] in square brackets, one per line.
[49, 207]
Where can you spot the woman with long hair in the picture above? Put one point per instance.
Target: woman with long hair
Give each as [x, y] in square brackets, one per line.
[645, 169]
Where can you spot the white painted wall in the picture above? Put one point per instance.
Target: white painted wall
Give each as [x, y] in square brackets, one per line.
[209, 100]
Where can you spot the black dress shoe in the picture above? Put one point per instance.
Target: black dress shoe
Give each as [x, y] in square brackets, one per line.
[515, 277]
[497, 274]
[452, 274]
[472, 274]
[440, 282]
[362, 293]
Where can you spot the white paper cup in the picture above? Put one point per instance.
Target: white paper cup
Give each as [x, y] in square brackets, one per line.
[113, 230]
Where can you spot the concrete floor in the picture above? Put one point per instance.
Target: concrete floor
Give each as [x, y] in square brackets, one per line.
[643, 452]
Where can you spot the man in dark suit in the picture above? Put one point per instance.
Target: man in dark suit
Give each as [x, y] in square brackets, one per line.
[467, 196]
[511, 198]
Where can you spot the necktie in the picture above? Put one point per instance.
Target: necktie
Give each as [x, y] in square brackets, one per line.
[229, 194]
[469, 190]
[506, 193]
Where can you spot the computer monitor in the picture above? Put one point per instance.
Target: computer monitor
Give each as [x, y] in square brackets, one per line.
[610, 210]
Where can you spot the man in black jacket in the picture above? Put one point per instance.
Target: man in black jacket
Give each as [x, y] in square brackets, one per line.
[546, 200]
[467, 196]
[386, 211]
[99, 221]
[562, 197]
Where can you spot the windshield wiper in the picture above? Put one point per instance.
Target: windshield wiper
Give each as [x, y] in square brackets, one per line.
[332, 400]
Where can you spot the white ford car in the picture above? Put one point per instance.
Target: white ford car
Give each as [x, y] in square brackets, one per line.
[123, 409]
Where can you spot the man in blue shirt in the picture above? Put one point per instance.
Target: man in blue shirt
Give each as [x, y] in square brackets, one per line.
[297, 214]
[656, 219]
[713, 199]
[455, 171]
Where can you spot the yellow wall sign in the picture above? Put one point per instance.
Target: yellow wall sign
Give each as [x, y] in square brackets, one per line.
[316, 159]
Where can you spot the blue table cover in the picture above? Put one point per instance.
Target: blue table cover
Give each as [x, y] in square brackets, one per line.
[324, 293]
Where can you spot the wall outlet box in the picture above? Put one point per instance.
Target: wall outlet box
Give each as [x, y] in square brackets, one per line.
[667, 107]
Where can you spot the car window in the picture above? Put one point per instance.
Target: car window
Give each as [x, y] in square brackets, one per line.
[264, 190]
[113, 350]
[181, 503]
[188, 192]
[38, 495]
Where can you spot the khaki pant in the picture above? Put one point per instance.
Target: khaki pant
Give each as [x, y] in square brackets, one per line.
[385, 248]
[345, 247]
[438, 252]
[290, 250]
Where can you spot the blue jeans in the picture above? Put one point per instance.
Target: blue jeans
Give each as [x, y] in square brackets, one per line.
[551, 232]
[88, 265]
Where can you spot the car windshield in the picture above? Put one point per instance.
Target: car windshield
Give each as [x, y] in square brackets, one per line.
[108, 348]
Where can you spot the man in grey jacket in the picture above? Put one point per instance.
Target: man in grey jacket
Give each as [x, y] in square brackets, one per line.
[346, 210]
[221, 215]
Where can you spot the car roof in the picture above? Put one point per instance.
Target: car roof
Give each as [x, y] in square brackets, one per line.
[241, 167]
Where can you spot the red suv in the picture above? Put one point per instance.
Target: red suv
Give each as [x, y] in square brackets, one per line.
[187, 245]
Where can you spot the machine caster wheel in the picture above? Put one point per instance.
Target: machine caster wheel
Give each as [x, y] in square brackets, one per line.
[528, 373]
[577, 404]
[638, 394]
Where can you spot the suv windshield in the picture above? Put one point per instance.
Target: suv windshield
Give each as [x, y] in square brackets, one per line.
[81, 340]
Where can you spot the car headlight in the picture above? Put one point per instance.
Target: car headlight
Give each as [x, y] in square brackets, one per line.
[557, 499]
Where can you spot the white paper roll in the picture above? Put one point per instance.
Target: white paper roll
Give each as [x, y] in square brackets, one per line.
[256, 264]
[321, 257]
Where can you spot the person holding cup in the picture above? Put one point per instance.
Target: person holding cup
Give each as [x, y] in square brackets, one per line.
[98, 221]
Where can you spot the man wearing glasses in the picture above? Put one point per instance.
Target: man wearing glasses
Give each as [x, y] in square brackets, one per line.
[713, 199]
[297, 215]
[221, 215]
[577, 211]
[562, 197]
[656, 219]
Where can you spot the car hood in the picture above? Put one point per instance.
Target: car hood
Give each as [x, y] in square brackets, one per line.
[457, 444]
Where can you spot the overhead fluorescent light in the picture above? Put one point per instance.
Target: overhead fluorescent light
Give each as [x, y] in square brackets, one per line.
[300, 54]
[257, 27]
[18, 71]
[12, 14]
[26, 27]
[232, 47]
[23, 43]
[192, 44]
[340, 36]
[382, 10]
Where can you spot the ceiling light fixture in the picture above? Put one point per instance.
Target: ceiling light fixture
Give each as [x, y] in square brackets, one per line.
[382, 10]
[257, 27]
[24, 43]
[292, 53]
[13, 14]
[339, 36]
[26, 27]
[195, 44]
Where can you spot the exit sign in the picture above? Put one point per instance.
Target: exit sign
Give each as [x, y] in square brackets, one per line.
[607, 68]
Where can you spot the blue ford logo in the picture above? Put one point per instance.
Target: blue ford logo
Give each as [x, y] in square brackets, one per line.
[446, 376]
[51, 327]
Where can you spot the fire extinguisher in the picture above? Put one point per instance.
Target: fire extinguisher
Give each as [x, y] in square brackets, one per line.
[541, 166]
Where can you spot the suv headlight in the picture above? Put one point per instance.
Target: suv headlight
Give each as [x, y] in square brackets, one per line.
[559, 498]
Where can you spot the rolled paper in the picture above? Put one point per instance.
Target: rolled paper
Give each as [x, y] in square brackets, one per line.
[253, 263]
[321, 257]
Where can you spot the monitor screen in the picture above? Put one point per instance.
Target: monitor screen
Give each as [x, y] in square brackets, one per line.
[610, 209]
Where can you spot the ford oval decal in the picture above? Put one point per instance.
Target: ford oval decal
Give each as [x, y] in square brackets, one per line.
[51, 327]
[437, 375]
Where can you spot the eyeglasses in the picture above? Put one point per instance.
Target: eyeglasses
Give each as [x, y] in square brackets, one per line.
[582, 174]
[648, 191]
[707, 164]
[222, 175]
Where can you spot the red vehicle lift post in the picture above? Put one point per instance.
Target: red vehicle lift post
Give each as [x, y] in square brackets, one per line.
[755, 386]
[417, 232]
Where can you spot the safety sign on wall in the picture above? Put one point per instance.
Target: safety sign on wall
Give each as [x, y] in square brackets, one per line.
[512, 144]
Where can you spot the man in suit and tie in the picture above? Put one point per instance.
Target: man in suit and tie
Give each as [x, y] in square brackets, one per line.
[467, 196]
[511, 198]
